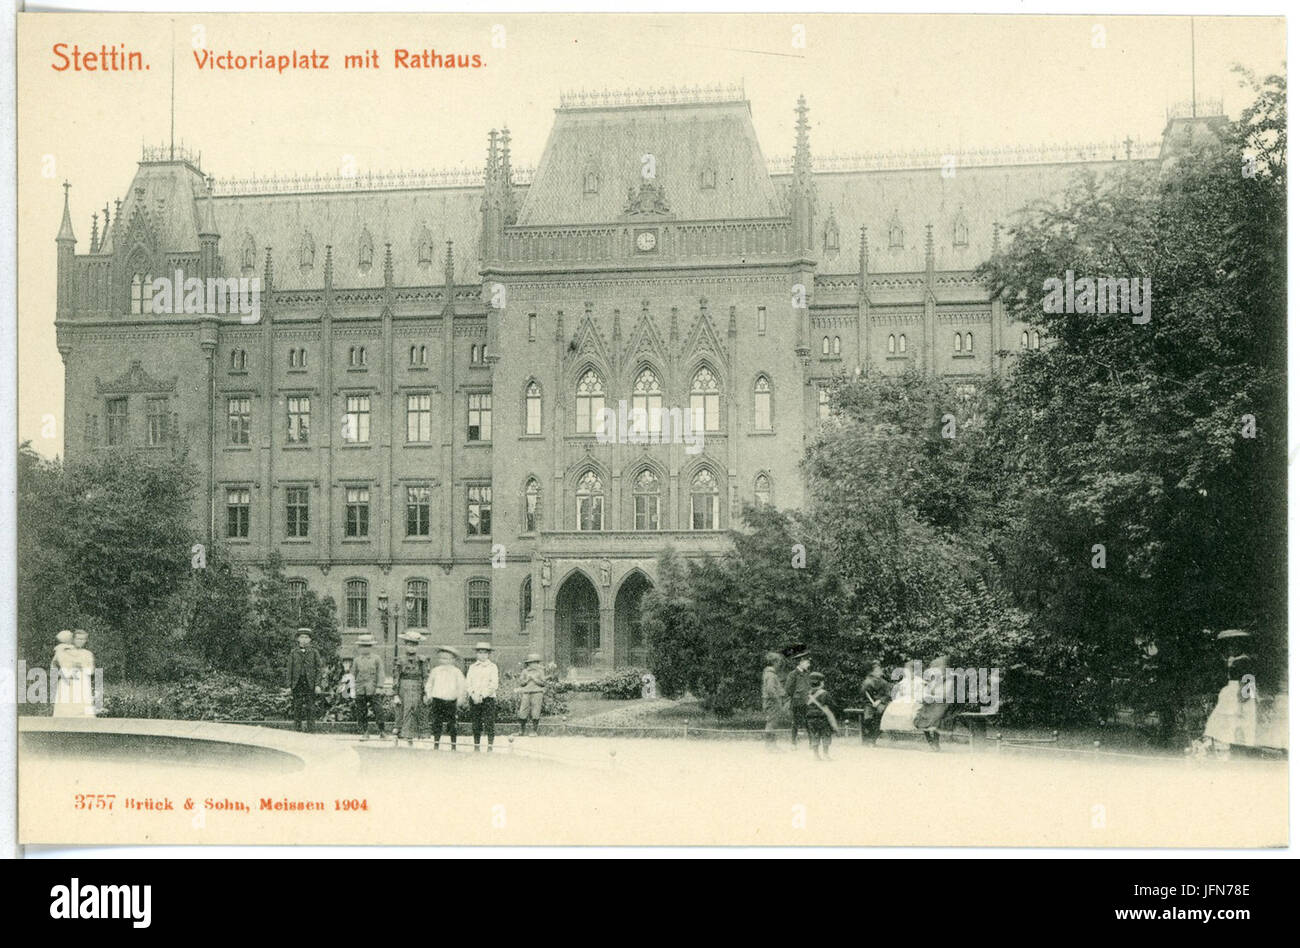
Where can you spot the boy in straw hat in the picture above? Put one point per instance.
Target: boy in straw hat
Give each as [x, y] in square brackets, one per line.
[481, 683]
[532, 687]
[408, 679]
[367, 681]
[445, 689]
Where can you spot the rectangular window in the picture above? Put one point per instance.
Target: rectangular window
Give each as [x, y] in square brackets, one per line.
[419, 418]
[417, 511]
[591, 511]
[762, 320]
[704, 511]
[479, 510]
[532, 326]
[479, 427]
[358, 603]
[356, 419]
[156, 413]
[296, 511]
[239, 420]
[356, 520]
[299, 419]
[115, 418]
[237, 507]
[647, 512]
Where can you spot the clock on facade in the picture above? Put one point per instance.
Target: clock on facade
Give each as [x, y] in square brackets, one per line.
[646, 241]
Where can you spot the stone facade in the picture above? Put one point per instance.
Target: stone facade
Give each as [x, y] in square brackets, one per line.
[427, 354]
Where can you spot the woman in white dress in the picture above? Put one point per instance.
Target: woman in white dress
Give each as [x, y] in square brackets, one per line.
[64, 671]
[900, 713]
[85, 660]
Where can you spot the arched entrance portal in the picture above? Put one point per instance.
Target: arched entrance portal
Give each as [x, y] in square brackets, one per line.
[629, 642]
[577, 623]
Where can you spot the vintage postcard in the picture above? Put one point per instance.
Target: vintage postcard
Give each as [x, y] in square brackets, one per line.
[773, 429]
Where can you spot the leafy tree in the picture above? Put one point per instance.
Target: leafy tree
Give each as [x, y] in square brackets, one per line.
[1164, 442]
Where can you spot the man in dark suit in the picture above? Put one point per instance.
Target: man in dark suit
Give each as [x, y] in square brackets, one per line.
[304, 673]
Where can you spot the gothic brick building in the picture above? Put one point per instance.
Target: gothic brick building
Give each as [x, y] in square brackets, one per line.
[414, 416]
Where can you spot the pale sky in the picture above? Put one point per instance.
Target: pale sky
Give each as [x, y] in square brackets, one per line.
[873, 83]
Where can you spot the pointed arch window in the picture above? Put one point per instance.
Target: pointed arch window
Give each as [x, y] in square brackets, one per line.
[645, 500]
[591, 502]
[763, 404]
[533, 409]
[141, 294]
[525, 603]
[835, 347]
[647, 405]
[960, 232]
[893, 344]
[1024, 340]
[826, 346]
[248, 256]
[705, 401]
[902, 342]
[424, 250]
[956, 342]
[1035, 340]
[762, 490]
[704, 500]
[970, 342]
[532, 497]
[589, 411]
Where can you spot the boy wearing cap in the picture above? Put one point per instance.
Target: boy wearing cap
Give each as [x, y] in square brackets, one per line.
[445, 689]
[408, 679]
[367, 679]
[481, 683]
[797, 686]
[821, 710]
[532, 688]
[304, 676]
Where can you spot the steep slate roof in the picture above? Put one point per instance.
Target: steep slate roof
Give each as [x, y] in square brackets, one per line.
[400, 217]
[684, 140]
[166, 196]
[913, 198]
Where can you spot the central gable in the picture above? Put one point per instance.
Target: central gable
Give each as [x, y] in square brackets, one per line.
[704, 161]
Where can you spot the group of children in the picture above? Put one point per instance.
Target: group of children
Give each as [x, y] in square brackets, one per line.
[805, 699]
[446, 689]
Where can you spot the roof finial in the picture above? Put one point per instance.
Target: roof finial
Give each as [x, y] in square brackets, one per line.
[65, 228]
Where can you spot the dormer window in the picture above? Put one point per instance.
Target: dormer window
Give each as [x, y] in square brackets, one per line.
[708, 179]
[831, 238]
[248, 256]
[424, 252]
[895, 236]
[365, 251]
[960, 232]
[307, 252]
[591, 183]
